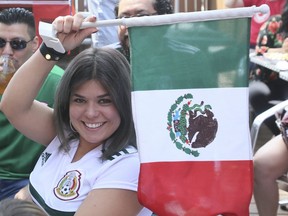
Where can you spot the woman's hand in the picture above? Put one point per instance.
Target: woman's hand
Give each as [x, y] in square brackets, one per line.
[69, 32]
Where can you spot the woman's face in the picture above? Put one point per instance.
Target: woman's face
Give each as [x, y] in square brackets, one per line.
[92, 113]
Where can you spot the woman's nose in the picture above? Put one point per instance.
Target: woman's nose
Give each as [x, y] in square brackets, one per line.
[92, 110]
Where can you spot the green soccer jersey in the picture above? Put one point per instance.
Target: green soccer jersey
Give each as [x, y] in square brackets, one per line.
[18, 154]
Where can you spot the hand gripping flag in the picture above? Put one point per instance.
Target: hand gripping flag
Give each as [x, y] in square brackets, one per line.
[190, 107]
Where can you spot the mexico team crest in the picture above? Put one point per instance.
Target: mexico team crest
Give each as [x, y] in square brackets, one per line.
[68, 186]
[191, 125]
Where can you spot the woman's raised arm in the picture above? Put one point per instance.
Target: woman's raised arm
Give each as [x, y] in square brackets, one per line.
[30, 117]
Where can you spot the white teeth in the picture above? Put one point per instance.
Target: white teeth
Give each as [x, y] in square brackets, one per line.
[93, 125]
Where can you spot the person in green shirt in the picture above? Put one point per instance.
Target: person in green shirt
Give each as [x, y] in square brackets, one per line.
[19, 154]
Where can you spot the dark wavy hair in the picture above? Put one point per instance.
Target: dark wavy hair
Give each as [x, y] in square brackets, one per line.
[11, 16]
[109, 67]
[161, 6]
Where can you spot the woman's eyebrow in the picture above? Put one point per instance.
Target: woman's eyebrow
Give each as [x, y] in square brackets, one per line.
[99, 96]
[104, 95]
[77, 95]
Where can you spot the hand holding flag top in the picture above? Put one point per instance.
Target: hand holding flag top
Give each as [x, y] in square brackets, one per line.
[65, 33]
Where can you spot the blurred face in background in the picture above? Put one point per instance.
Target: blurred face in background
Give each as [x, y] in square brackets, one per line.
[133, 8]
[24, 44]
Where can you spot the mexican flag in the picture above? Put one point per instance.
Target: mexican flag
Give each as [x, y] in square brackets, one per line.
[191, 113]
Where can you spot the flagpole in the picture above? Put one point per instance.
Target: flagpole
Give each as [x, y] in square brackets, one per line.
[182, 17]
[48, 33]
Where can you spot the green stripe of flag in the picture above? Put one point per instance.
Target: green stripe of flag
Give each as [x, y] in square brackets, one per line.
[206, 54]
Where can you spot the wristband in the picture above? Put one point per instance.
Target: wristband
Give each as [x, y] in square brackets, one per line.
[50, 54]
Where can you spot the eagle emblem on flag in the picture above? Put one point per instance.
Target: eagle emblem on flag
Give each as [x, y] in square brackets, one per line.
[191, 125]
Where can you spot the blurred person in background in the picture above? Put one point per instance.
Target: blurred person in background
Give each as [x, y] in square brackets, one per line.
[276, 7]
[103, 10]
[18, 154]
[137, 8]
[265, 87]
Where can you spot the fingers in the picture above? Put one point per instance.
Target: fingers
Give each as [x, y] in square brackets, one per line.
[90, 19]
[77, 21]
[66, 24]
[69, 30]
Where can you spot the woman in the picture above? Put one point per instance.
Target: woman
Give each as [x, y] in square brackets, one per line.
[90, 165]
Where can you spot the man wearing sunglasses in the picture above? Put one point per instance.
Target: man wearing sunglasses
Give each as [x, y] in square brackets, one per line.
[137, 8]
[18, 39]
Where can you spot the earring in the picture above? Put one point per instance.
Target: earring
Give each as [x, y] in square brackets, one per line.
[72, 128]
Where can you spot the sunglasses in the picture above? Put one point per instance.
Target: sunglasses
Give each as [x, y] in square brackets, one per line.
[16, 44]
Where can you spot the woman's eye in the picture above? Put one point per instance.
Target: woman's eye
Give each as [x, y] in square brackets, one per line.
[79, 100]
[105, 101]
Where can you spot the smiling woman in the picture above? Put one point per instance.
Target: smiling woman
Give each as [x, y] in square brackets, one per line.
[95, 92]
[93, 114]
[90, 137]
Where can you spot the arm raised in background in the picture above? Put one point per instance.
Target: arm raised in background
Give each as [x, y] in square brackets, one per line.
[234, 3]
[30, 117]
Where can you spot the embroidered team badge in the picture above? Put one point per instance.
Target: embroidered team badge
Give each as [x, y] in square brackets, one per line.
[191, 126]
[68, 186]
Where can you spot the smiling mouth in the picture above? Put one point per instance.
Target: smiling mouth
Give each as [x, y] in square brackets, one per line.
[93, 126]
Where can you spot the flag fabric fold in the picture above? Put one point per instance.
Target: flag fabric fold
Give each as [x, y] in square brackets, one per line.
[190, 107]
